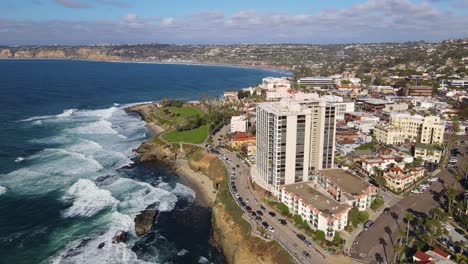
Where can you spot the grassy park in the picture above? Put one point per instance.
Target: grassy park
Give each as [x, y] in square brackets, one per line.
[195, 136]
[189, 122]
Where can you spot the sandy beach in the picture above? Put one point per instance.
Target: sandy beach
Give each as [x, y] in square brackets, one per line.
[199, 182]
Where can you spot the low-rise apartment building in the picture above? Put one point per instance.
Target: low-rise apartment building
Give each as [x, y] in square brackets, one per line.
[346, 188]
[398, 179]
[427, 152]
[428, 130]
[425, 91]
[238, 124]
[320, 211]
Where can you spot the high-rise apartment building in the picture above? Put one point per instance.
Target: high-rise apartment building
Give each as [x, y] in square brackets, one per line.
[294, 138]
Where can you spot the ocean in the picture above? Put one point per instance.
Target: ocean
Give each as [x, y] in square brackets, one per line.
[62, 128]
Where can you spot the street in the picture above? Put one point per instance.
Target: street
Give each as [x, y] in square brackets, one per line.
[285, 234]
[376, 244]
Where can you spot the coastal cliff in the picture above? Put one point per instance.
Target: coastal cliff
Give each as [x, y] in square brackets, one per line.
[230, 232]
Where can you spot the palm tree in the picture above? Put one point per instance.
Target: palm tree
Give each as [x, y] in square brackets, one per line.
[396, 250]
[409, 217]
[451, 195]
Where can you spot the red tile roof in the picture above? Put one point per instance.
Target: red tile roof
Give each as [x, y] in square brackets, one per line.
[422, 256]
[441, 253]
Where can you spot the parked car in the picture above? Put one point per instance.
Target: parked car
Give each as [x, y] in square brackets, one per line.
[259, 212]
[242, 204]
[306, 254]
[265, 224]
[247, 200]
[272, 214]
[248, 208]
[308, 243]
[368, 224]
[301, 237]
[258, 218]
[262, 207]
[253, 213]
[282, 221]
[447, 227]
[271, 229]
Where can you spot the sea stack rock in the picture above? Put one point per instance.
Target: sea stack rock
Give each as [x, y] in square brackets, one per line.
[144, 221]
[120, 236]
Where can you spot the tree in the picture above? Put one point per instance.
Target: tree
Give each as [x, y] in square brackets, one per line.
[363, 216]
[301, 72]
[377, 203]
[283, 209]
[451, 195]
[320, 235]
[337, 238]
[409, 217]
[353, 216]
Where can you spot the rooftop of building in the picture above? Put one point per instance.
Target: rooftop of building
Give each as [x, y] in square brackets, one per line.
[316, 78]
[428, 146]
[346, 181]
[421, 87]
[376, 101]
[291, 106]
[314, 198]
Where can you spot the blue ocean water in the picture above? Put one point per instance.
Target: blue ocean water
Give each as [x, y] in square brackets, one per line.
[62, 128]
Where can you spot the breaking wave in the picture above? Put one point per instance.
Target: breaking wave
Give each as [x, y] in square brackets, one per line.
[90, 145]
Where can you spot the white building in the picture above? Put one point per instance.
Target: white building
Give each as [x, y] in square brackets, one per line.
[239, 124]
[273, 83]
[317, 81]
[346, 188]
[293, 139]
[320, 212]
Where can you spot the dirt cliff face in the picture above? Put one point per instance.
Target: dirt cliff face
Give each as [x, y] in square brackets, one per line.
[50, 54]
[5, 53]
[95, 54]
[238, 249]
[24, 54]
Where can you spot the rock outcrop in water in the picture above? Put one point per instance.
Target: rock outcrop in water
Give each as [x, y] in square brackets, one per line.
[120, 236]
[144, 221]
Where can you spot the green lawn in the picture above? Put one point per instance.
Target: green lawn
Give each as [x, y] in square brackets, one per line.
[177, 114]
[196, 136]
[366, 146]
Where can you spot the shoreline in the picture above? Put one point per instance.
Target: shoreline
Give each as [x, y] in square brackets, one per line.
[201, 184]
[287, 71]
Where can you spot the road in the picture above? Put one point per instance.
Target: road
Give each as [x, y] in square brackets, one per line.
[285, 234]
[376, 245]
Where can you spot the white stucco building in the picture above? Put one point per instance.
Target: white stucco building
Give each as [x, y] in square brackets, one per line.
[239, 124]
[320, 211]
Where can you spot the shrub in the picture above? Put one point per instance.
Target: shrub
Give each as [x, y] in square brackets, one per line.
[282, 208]
[320, 235]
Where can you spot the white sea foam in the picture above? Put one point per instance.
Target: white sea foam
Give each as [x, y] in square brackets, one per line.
[85, 146]
[136, 196]
[101, 127]
[19, 159]
[183, 191]
[87, 199]
[2, 190]
[182, 252]
[66, 113]
[99, 113]
[86, 251]
[203, 260]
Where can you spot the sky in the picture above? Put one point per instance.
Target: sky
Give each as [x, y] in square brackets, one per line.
[76, 22]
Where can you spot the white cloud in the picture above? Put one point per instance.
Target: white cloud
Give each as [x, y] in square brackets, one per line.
[370, 21]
